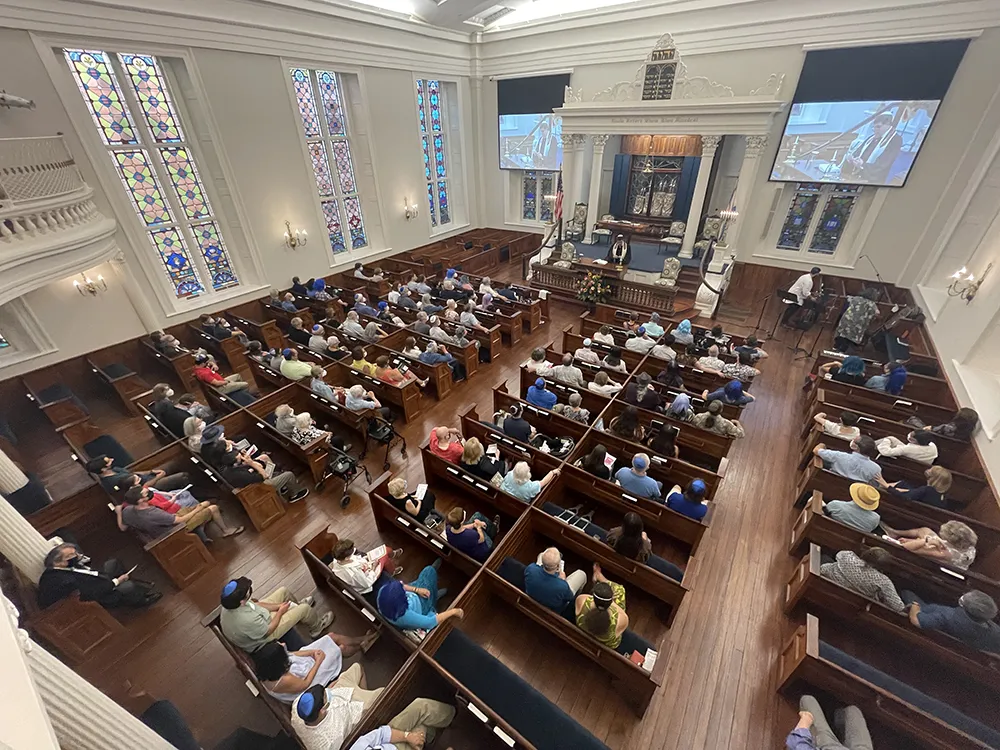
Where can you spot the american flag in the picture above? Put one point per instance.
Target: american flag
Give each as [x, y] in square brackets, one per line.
[559, 199]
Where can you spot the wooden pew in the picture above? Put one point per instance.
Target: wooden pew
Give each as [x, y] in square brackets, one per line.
[54, 398]
[882, 404]
[489, 341]
[545, 421]
[117, 366]
[264, 331]
[439, 375]
[181, 365]
[284, 318]
[522, 291]
[806, 585]
[231, 350]
[695, 380]
[407, 397]
[592, 401]
[352, 420]
[313, 455]
[918, 387]
[467, 355]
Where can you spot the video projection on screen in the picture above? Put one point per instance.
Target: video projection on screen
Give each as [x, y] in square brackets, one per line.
[531, 141]
[855, 143]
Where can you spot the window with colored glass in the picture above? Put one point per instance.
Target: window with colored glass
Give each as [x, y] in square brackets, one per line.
[817, 217]
[433, 140]
[538, 195]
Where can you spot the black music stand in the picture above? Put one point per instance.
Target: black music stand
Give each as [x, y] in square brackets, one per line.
[811, 353]
[760, 317]
[786, 299]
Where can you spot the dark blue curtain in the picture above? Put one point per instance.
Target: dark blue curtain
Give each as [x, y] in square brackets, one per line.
[619, 184]
[685, 187]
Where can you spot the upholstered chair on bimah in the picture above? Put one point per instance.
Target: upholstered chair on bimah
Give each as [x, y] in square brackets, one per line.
[567, 254]
[709, 231]
[599, 232]
[671, 270]
[577, 223]
[673, 238]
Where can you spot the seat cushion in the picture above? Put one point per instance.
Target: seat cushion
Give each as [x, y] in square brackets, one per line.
[55, 392]
[108, 446]
[164, 719]
[922, 701]
[116, 370]
[512, 570]
[242, 397]
[632, 641]
[30, 498]
[541, 722]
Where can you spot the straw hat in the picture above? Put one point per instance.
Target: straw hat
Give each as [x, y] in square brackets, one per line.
[865, 495]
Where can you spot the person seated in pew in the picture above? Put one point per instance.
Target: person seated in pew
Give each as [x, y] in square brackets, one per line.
[194, 407]
[274, 299]
[335, 350]
[393, 295]
[858, 512]
[641, 393]
[469, 320]
[711, 361]
[821, 736]
[960, 427]
[418, 284]
[653, 327]
[602, 612]
[193, 429]
[352, 325]
[287, 674]
[604, 335]
[626, 425]
[119, 478]
[682, 333]
[206, 371]
[474, 535]
[594, 463]
[537, 363]
[288, 303]
[447, 443]
[451, 311]
[634, 479]
[427, 305]
[359, 272]
[172, 501]
[953, 544]
[318, 291]
[210, 326]
[449, 291]
[518, 482]
[385, 372]
[486, 305]
[573, 409]
[752, 346]
[406, 301]
[297, 332]
[587, 354]
[292, 368]
[641, 342]
[514, 424]
[408, 502]
[386, 315]
[151, 522]
[299, 288]
[680, 408]
[629, 540]
[731, 393]
[240, 470]
[663, 441]
[437, 353]
[486, 286]
[358, 399]
[865, 574]
[422, 324]
[850, 371]
[670, 375]
[631, 324]
[378, 274]
[226, 330]
[250, 623]
[67, 571]
[363, 575]
[539, 395]
[275, 359]
[568, 373]
[919, 447]
[845, 428]
[413, 606]
[741, 369]
[166, 344]
[546, 581]
[663, 348]
[323, 718]
[320, 387]
[933, 493]
[284, 419]
[438, 333]
[359, 361]
[305, 432]
[255, 350]
[171, 415]
[373, 333]
[410, 348]
[691, 501]
[603, 384]
[857, 465]
[711, 419]
[892, 379]
[971, 622]
[317, 339]
[479, 463]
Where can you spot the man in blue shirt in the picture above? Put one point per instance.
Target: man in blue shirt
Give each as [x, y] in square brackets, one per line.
[539, 396]
[857, 465]
[635, 480]
[435, 353]
[361, 307]
[970, 622]
[546, 582]
[690, 502]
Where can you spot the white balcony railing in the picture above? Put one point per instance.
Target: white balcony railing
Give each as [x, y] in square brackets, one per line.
[36, 168]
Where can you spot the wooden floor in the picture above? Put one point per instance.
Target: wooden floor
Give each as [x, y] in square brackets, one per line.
[719, 687]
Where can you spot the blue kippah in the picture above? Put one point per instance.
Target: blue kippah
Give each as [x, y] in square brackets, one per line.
[539, 383]
[642, 329]
[286, 353]
[698, 485]
[639, 462]
[306, 705]
[229, 588]
[383, 305]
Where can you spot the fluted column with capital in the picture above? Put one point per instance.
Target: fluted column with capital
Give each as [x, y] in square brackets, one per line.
[594, 193]
[572, 153]
[20, 542]
[755, 145]
[709, 143]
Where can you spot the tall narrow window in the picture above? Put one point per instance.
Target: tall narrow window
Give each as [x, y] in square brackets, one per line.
[817, 230]
[432, 138]
[833, 220]
[538, 197]
[327, 139]
[799, 216]
[178, 218]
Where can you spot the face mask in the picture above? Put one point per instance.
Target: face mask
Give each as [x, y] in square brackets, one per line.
[323, 374]
[170, 392]
[74, 562]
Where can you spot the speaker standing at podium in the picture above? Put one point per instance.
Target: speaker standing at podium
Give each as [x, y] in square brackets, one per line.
[802, 289]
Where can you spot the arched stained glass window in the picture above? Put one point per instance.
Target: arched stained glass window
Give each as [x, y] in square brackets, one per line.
[328, 144]
[432, 139]
[156, 165]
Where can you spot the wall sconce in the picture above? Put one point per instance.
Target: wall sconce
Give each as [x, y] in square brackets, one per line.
[410, 210]
[295, 239]
[966, 287]
[89, 286]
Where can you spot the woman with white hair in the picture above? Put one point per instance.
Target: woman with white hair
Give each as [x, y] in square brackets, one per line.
[358, 400]
[427, 304]
[451, 311]
[518, 482]
[193, 427]
[373, 333]
[485, 286]
[352, 325]
[408, 502]
[306, 432]
[334, 348]
[284, 419]
[468, 318]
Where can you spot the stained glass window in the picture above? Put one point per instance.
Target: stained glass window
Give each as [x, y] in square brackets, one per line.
[538, 195]
[817, 217]
[548, 196]
[432, 141]
[833, 219]
[156, 165]
[529, 195]
[330, 155]
[799, 216]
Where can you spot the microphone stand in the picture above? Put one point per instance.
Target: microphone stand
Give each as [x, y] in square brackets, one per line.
[761, 316]
[811, 353]
[885, 288]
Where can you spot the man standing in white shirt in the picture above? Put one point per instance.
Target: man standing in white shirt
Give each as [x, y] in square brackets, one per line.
[802, 289]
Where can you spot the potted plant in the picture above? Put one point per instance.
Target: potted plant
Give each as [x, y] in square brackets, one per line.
[594, 288]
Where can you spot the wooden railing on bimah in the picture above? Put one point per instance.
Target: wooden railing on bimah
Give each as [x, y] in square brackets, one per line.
[807, 585]
[947, 581]
[181, 365]
[908, 514]
[882, 404]
[314, 454]
[800, 662]
[566, 283]
[956, 455]
[920, 387]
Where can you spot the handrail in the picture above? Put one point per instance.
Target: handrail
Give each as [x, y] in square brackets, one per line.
[36, 169]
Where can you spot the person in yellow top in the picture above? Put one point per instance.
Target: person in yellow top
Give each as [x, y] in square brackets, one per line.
[602, 612]
[292, 368]
[359, 355]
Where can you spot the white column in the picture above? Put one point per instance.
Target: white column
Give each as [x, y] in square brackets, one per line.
[132, 291]
[20, 542]
[594, 194]
[82, 717]
[572, 147]
[755, 145]
[708, 145]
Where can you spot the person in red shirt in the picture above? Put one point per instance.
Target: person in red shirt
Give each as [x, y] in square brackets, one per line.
[447, 443]
[163, 500]
[207, 371]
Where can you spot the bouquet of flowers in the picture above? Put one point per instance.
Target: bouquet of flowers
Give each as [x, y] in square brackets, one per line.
[594, 288]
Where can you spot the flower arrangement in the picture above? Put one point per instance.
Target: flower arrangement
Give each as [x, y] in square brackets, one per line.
[594, 288]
